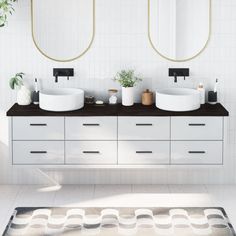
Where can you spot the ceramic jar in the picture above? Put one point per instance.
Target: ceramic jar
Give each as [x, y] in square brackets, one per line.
[147, 98]
[23, 96]
[127, 96]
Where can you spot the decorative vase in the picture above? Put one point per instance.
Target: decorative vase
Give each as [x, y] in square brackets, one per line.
[128, 96]
[23, 96]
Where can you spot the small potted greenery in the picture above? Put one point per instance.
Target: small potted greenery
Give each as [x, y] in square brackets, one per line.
[23, 93]
[6, 8]
[127, 80]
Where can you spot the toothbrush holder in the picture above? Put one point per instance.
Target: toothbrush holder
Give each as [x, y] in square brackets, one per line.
[212, 97]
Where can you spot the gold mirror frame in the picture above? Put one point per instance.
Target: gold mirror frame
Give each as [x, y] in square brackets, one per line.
[59, 60]
[183, 60]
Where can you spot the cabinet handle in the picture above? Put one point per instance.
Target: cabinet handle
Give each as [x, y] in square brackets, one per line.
[91, 152]
[143, 124]
[196, 152]
[38, 124]
[197, 124]
[91, 124]
[143, 152]
[38, 152]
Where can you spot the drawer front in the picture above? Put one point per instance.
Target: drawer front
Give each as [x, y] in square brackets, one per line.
[143, 128]
[91, 152]
[143, 152]
[196, 128]
[38, 152]
[38, 128]
[196, 152]
[91, 128]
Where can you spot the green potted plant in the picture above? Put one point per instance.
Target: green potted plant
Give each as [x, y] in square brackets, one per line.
[23, 93]
[127, 80]
[6, 8]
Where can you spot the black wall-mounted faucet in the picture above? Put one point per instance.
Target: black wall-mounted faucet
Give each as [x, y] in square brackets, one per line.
[62, 72]
[178, 72]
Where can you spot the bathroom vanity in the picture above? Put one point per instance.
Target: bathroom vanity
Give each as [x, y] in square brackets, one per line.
[117, 136]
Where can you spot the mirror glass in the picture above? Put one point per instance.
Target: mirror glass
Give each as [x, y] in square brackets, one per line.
[63, 30]
[179, 30]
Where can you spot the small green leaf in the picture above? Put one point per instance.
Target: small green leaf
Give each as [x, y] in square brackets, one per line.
[16, 81]
[11, 83]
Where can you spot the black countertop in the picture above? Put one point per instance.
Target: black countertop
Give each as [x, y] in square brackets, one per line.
[117, 110]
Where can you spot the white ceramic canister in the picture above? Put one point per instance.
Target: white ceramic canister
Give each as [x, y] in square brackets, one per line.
[127, 96]
[23, 96]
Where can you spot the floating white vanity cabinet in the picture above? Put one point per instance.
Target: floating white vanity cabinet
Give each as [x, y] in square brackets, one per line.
[197, 140]
[91, 152]
[150, 148]
[38, 140]
[38, 152]
[136, 136]
[38, 128]
[197, 128]
[91, 128]
[197, 152]
[143, 152]
[143, 128]
[91, 140]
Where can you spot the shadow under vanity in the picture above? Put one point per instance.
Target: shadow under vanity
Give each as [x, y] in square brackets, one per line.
[117, 136]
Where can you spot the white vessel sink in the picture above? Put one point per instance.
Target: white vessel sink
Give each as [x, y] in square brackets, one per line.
[178, 99]
[63, 99]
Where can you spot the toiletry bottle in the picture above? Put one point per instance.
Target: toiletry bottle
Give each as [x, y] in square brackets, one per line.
[35, 95]
[216, 86]
[201, 89]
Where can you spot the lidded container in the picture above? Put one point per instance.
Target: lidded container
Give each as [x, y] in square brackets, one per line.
[113, 97]
[147, 97]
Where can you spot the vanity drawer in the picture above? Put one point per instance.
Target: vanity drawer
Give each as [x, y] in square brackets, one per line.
[143, 128]
[143, 152]
[91, 128]
[196, 152]
[197, 128]
[38, 128]
[91, 152]
[38, 152]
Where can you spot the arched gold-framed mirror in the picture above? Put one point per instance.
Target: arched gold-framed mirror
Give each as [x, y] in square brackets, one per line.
[179, 30]
[63, 30]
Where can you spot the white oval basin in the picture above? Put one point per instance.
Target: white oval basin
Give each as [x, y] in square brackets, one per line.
[63, 99]
[178, 99]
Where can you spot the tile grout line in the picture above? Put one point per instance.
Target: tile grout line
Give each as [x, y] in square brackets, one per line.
[94, 189]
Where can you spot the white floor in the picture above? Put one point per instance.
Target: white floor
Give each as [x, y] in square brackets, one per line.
[12, 196]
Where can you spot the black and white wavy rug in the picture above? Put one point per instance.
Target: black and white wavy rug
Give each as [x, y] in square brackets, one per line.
[119, 221]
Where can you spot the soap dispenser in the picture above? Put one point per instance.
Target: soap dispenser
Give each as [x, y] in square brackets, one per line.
[35, 95]
[201, 89]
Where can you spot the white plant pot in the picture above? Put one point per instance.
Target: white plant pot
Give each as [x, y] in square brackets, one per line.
[128, 96]
[24, 96]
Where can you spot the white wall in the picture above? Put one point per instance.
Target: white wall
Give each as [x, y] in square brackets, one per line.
[121, 42]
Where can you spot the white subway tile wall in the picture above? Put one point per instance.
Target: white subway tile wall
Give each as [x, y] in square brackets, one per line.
[120, 42]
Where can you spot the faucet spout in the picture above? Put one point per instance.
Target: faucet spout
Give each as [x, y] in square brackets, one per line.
[56, 78]
[175, 77]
